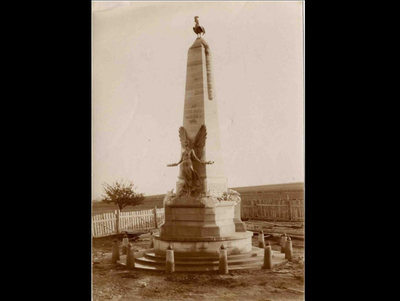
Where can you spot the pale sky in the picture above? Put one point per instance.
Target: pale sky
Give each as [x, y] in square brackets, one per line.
[139, 73]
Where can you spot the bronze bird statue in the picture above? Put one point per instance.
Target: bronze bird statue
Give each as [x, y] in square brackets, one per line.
[197, 28]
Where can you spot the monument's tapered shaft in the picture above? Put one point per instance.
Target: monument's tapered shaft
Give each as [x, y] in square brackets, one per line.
[201, 108]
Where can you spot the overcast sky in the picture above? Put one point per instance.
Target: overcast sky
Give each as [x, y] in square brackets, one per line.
[139, 73]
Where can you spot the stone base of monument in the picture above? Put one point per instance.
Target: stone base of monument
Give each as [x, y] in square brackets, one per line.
[204, 218]
[149, 260]
[196, 228]
[236, 243]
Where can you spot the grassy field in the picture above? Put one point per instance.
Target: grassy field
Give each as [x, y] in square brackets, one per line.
[276, 188]
[293, 190]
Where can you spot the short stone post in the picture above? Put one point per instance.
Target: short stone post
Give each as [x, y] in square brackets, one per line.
[151, 246]
[283, 242]
[155, 217]
[289, 250]
[115, 252]
[125, 242]
[130, 257]
[223, 260]
[118, 220]
[267, 256]
[170, 261]
[261, 242]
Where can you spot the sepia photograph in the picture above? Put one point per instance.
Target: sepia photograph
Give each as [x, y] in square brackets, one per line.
[198, 150]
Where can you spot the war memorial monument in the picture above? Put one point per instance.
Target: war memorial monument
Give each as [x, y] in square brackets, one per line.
[203, 216]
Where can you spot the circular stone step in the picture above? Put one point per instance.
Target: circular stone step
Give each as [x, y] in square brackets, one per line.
[254, 260]
[255, 252]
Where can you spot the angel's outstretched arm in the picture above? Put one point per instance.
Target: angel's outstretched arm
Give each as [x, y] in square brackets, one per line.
[176, 164]
[198, 160]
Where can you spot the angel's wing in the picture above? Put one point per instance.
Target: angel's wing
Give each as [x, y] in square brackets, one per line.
[200, 141]
[182, 136]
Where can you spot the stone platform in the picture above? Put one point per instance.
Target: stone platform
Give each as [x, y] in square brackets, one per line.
[149, 260]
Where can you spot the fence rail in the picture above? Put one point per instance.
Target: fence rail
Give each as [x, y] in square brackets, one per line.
[273, 209]
[113, 223]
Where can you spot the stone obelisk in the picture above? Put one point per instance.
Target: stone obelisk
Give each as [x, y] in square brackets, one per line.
[201, 225]
[201, 108]
[196, 224]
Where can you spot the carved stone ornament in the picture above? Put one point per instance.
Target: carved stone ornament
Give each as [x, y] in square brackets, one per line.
[169, 197]
[231, 196]
[209, 201]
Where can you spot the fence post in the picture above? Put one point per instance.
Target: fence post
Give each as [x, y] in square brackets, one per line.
[170, 260]
[125, 243]
[289, 204]
[283, 242]
[261, 241]
[115, 252]
[155, 217]
[130, 257]
[117, 212]
[289, 249]
[267, 257]
[223, 261]
[151, 240]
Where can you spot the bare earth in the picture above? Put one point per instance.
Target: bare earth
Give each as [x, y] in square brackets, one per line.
[114, 282]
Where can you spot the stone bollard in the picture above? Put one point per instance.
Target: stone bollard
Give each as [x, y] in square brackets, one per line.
[267, 257]
[125, 242]
[170, 261]
[289, 250]
[115, 252]
[151, 241]
[283, 242]
[130, 257]
[261, 242]
[223, 260]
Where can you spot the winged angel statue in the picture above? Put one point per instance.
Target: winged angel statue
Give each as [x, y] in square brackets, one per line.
[192, 151]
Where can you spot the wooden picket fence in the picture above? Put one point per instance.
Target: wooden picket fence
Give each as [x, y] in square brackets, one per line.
[262, 208]
[273, 209]
[116, 222]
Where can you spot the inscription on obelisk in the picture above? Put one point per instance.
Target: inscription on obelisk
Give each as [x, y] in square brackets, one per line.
[201, 108]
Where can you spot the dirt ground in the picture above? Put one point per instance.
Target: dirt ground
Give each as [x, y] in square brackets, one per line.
[114, 282]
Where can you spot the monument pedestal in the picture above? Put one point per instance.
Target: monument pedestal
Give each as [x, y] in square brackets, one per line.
[203, 217]
[198, 226]
[195, 228]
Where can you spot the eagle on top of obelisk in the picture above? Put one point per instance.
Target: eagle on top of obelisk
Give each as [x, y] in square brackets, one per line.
[197, 28]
